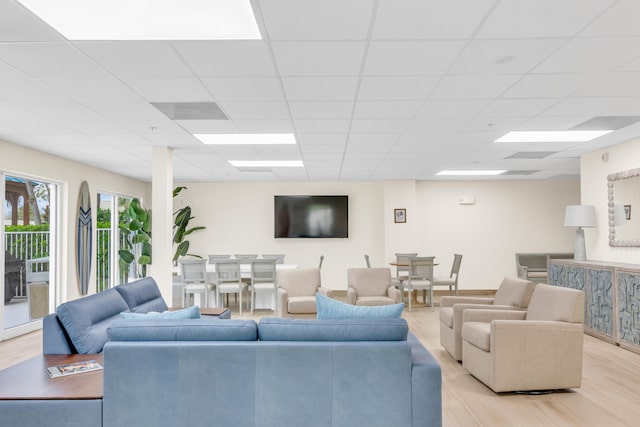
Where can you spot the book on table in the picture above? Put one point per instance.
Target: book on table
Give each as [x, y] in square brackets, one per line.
[73, 368]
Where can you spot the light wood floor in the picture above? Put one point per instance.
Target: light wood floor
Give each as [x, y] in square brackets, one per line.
[609, 396]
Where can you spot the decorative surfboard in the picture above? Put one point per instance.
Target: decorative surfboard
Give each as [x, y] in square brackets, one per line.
[83, 255]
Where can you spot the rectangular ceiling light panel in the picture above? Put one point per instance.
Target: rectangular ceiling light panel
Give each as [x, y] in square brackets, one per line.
[470, 172]
[552, 136]
[148, 19]
[246, 138]
[267, 163]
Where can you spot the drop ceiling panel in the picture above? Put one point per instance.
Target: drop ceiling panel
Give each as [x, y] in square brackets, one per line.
[614, 84]
[473, 87]
[420, 19]
[450, 108]
[18, 24]
[9, 72]
[264, 126]
[169, 89]
[410, 57]
[319, 126]
[92, 89]
[620, 20]
[523, 18]
[321, 110]
[208, 126]
[517, 107]
[599, 106]
[325, 58]
[558, 85]
[229, 58]
[381, 88]
[320, 88]
[255, 110]
[370, 139]
[379, 125]
[386, 109]
[148, 59]
[325, 20]
[23, 91]
[244, 88]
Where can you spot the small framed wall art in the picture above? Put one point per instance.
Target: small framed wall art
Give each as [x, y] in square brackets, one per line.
[400, 215]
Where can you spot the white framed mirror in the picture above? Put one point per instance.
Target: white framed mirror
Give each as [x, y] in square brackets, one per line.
[624, 208]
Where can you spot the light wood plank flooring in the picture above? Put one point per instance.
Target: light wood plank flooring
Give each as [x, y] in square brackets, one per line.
[609, 396]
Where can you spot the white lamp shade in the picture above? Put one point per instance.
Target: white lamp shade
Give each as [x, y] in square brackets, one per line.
[580, 216]
[619, 216]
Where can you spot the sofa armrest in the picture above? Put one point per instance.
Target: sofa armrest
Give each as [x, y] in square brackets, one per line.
[351, 296]
[54, 338]
[282, 298]
[477, 315]
[426, 381]
[449, 301]
[459, 309]
[325, 291]
[393, 292]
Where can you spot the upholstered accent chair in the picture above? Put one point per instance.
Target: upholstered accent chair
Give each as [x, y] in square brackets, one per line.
[296, 291]
[533, 350]
[513, 294]
[371, 286]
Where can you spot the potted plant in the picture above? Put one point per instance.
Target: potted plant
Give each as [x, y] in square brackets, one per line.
[135, 238]
[181, 229]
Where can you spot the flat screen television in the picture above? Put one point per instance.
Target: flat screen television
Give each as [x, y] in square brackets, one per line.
[311, 216]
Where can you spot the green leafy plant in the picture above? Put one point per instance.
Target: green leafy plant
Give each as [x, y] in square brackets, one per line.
[181, 229]
[135, 237]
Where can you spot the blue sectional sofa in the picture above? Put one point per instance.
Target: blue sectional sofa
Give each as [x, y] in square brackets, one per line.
[278, 373]
[80, 326]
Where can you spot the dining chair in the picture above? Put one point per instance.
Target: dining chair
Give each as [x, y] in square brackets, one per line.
[402, 267]
[419, 277]
[452, 280]
[214, 258]
[229, 280]
[246, 256]
[193, 276]
[263, 279]
[366, 259]
[278, 257]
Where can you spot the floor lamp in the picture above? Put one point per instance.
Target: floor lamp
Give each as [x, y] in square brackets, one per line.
[580, 216]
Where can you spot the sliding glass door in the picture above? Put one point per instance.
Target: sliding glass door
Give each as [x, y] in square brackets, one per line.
[28, 266]
[109, 241]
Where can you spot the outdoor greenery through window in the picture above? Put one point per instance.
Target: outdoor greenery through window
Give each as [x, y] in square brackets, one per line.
[109, 215]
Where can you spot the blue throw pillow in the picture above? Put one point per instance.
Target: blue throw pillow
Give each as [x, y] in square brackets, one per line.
[192, 312]
[332, 309]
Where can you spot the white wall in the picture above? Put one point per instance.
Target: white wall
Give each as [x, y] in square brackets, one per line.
[508, 217]
[594, 171]
[24, 161]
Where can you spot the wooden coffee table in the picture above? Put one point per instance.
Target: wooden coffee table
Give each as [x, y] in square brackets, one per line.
[29, 380]
[210, 311]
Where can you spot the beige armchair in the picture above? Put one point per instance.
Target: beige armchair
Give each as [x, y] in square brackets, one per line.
[513, 294]
[540, 349]
[296, 292]
[371, 286]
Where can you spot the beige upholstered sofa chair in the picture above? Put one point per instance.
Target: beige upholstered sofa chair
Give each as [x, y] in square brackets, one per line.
[513, 294]
[296, 293]
[539, 349]
[371, 286]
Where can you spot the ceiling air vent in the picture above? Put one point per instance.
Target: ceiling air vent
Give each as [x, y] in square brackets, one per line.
[191, 110]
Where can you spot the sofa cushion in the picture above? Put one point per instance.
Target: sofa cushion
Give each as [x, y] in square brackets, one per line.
[556, 303]
[142, 296]
[514, 292]
[375, 301]
[299, 281]
[329, 308]
[369, 281]
[86, 319]
[288, 329]
[478, 334]
[203, 329]
[192, 312]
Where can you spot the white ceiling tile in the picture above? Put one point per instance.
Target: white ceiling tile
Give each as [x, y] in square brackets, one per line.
[92, 89]
[208, 126]
[503, 56]
[379, 125]
[136, 58]
[49, 60]
[620, 20]
[435, 125]
[21, 90]
[517, 107]
[410, 57]
[321, 58]
[128, 110]
[493, 123]
[18, 24]
[244, 88]
[255, 110]
[473, 87]
[264, 126]
[371, 139]
[325, 20]
[597, 106]
[9, 72]
[550, 85]
[321, 139]
[613, 84]
[449, 108]
[169, 89]
[422, 19]
[553, 122]
[320, 88]
[382, 88]
[320, 126]
[229, 58]
[592, 55]
[321, 110]
[386, 109]
[541, 18]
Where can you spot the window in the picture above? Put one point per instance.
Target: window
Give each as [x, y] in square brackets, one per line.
[109, 242]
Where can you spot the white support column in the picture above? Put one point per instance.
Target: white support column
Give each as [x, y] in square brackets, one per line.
[162, 220]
